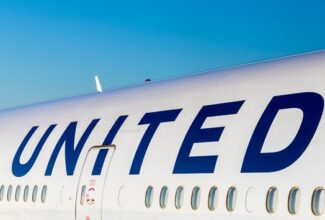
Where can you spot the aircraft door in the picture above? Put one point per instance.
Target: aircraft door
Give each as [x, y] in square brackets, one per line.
[92, 182]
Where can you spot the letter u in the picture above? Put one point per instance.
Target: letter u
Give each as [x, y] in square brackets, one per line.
[19, 169]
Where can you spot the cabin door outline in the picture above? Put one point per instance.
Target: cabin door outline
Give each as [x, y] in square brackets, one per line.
[90, 189]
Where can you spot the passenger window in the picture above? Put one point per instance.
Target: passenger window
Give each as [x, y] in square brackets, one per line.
[318, 201]
[163, 197]
[179, 196]
[17, 194]
[9, 192]
[272, 200]
[231, 199]
[213, 198]
[26, 192]
[195, 201]
[34, 195]
[83, 194]
[44, 193]
[2, 192]
[294, 201]
[149, 197]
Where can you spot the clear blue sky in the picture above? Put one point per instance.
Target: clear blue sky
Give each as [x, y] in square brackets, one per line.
[52, 49]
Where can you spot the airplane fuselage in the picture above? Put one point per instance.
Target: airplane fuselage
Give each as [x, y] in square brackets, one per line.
[243, 142]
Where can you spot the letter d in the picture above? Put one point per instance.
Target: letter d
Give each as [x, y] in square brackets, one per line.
[312, 106]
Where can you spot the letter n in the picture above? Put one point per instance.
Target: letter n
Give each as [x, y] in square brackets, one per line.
[72, 152]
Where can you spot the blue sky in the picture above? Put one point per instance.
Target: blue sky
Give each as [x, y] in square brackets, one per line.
[52, 49]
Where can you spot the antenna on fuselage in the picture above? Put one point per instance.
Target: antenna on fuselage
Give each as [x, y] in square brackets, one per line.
[98, 85]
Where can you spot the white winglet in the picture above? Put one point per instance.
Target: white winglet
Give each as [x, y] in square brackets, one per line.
[98, 86]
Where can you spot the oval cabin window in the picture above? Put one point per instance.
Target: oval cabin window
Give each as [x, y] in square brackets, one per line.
[231, 199]
[318, 201]
[9, 192]
[213, 198]
[44, 194]
[26, 192]
[294, 201]
[195, 201]
[34, 195]
[2, 192]
[17, 194]
[149, 197]
[83, 194]
[272, 200]
[163, 197]
[179, 196]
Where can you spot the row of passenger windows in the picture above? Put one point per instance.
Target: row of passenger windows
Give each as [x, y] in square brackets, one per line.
[317, 203]
[7, 193]
[195, 199]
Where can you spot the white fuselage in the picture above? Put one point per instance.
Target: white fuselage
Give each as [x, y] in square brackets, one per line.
[199, 131]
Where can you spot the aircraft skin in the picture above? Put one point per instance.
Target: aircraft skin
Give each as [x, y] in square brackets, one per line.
[251, 127]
